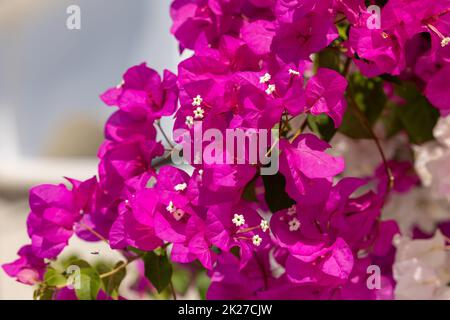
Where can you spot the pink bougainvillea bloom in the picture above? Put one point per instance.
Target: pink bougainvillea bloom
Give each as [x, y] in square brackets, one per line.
[229, 281]
[258, 36]
[437, 90]
[28, 269]
[127, 166]
[332, 268]
[50, 223]
[351, 8]
[123, 126]
[325, 94]
[375, 52]
[175, 207]
[293, 10]
[297, 40]
[237, 225]
[143, 92]
[307, 168]
[224, 183]
[212, 18]
[404, 176]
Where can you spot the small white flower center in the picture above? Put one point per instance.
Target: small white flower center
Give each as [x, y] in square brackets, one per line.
[256, 240]
[445, 42]
[189, 121]
[294, 72]
[265, 78]
[171, 207]
[198, 113]
[264, 225]
[238, 220]
[180, 187]
[294, 224]
[270, 89]
[197, 101]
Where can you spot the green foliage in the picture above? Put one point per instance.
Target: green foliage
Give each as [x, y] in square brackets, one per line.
[89, 281]
[367, 95]
[249, 192]
[112, 283]
[329, 58]
[181, 279]
[275, 195]
[202, 282]
[322, 125]
[158, 270]
[54, 278]
[417, 117]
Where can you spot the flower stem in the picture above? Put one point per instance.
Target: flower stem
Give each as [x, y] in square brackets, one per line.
[363, 120]
[123, 265]
[158, 124]
[95, 233]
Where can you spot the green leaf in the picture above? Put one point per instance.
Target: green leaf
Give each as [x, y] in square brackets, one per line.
[329, 58]
[249, 192]
[54, 278]
[43, 292]
[202, 284]
[181, 279]
[391, 121]
[322, 125]
[47, 294]
[112, 282]
[418, 117]
[158, 270]
[136, 250]
[86, 280]
[369, 97]
[275, 195]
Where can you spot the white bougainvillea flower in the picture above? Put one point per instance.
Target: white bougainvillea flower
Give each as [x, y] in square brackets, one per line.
[421, 268]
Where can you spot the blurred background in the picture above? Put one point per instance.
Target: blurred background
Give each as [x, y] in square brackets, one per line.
[51, 119]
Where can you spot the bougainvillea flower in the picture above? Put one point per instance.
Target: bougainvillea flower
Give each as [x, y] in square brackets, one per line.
[143, 92]
[192, 18]
[50, 223]
[325, 94]
[294, 10]
[28, 269]
[175, 207]
[127, 165]
[333, 267]
[404, 176]
[229, 281]
[306, 167]
[437, 90]
[123, 126]
[224, 183]
[197, 244]
[375, 52]
[258, 36]
[237, 225]
[134, 225]
[298, 40]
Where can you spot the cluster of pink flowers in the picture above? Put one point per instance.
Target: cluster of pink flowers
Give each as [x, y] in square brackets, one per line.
[251, 67]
